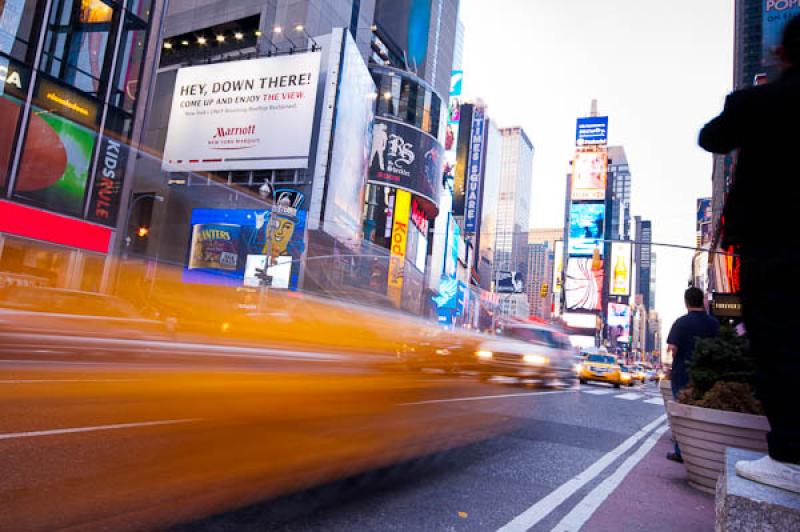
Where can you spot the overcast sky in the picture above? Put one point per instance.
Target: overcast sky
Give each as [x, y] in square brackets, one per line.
[659, 70]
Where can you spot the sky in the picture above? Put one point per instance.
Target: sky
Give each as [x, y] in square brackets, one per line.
[659, 70]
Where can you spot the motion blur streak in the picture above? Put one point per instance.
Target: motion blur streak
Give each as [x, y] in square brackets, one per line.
[165, 403]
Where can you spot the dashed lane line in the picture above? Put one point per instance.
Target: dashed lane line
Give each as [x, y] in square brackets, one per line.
[630, 396]
[655, 401]
[541, 509]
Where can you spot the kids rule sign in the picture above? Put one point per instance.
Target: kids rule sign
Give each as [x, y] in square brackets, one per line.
[243, 115]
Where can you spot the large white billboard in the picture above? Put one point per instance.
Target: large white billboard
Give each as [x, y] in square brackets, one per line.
[243, 115]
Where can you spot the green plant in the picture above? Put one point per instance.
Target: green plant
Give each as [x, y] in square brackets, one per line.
[722, 374]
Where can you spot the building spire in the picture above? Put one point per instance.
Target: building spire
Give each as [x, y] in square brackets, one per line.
[593, 111]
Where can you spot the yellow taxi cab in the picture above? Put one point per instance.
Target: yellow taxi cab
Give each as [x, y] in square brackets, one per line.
[601, 368]
[639, 373]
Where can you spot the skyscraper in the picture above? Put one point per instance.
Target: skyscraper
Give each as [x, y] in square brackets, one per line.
[748, 37]
[539, 275]
[643, 257]
[619, 176]
[513, 206]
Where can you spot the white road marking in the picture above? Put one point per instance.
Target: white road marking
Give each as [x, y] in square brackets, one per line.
[530, 517]
[629, 396]
[483, 397]
[584, 510]
[598, 392]
[55, 432]
[655, 401]
[43, 381]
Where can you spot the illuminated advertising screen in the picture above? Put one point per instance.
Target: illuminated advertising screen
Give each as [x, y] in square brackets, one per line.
[704, 221]
[619, 323]
[587, 223]
[472, 207]
[406, 158]
[243, 115]
[621, 258]
[589, 175]
[776, 13]
[397, 258]
[230, 246]
[583, 286]
[592, 131]
[14, 80]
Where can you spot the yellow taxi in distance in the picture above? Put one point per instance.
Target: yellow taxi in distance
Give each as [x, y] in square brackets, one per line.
[601, 368]
[639, 373]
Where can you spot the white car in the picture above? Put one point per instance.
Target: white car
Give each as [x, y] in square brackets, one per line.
[527, 350]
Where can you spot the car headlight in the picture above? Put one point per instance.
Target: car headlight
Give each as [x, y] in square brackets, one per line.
[626, 377]
[578, 368]
[536, 360]
[484, 355]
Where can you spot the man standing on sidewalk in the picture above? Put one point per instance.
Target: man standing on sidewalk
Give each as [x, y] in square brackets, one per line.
[696, 323]
[760, 219]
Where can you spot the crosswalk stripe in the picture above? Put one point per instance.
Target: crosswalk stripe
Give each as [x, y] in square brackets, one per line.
[629, 396]
[598, 392]
[655, 401]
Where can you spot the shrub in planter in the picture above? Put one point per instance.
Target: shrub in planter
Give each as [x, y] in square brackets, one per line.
[721, 375]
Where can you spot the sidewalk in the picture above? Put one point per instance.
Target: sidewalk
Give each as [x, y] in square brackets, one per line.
[655, 497]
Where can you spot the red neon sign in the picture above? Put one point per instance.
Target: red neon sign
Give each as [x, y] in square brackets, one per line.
[33, 223]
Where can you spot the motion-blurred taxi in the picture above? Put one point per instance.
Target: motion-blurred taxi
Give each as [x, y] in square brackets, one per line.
[638, 373]
[601, 368]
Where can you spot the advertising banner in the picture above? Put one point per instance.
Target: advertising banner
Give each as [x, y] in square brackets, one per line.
[621, 258]
[509, 283]
[472, 209]
[397, 259]
[243, 115]
[349, 159]
[587, 223]
[589, 175]
[558, 271]
[406, 158]
[776, 14]
[592, 131]
[619, 323]
[583, 286]
[230, 246]
[704, 222]
[104, 202]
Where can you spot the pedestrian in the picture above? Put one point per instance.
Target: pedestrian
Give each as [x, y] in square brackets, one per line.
[761, 123]
[696, 323]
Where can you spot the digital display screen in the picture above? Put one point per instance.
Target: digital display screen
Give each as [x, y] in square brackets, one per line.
[589, 175]
[586, 228]
[583, 286]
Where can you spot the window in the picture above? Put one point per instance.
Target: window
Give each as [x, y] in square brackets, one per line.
[21, 20]
[129, 64]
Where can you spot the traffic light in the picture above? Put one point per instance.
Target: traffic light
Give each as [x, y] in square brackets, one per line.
[544, 290]
[143, 231]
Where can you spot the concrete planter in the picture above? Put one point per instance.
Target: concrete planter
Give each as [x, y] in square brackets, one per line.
[665, 387]
[704, 433]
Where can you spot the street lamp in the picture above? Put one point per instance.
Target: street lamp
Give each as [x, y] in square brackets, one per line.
[132, 204]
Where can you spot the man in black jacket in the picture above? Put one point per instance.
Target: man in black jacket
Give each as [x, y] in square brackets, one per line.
[762, 220]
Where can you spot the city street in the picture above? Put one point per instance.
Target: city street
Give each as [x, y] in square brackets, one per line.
[548, 473]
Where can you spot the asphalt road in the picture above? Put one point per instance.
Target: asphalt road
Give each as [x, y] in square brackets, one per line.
[567, 452]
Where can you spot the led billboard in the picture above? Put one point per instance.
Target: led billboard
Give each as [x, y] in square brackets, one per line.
[583, 286]
[621, 258]
[619, 323]
[558, 271]
[586, 228]
[589, 175]
[474, 175]
[704, 221]
[592, 131]
[776, 13]
[243, 115]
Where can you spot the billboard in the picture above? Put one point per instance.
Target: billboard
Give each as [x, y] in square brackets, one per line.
[583, 286]
[621, 266]
[592, 131]
[619, 323]
[243, 115]
[589, 175]
[397, 259]
[472, 208]
[587, 223]
[230, 246]
[509, 283]
[704, 221]
[406, 158]
[776, 14]
[558, 270]
[349, 159]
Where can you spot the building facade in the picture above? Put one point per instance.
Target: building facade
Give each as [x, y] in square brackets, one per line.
[619, 176]
[538, 280]
[76, 79]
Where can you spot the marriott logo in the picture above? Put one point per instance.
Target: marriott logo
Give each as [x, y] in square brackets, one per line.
[223, 132]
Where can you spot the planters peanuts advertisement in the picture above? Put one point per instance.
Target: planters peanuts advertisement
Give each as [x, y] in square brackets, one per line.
[246, 247]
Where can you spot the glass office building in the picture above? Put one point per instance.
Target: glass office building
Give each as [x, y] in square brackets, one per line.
[71, 76]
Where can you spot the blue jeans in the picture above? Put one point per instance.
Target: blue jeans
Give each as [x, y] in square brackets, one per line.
[677, 386]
